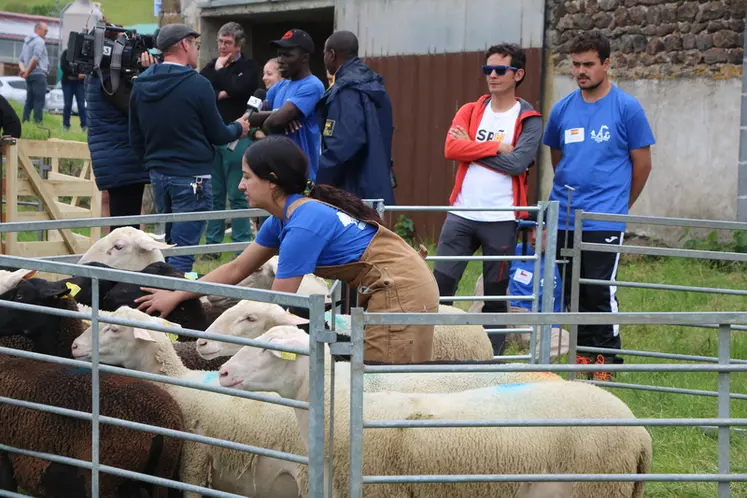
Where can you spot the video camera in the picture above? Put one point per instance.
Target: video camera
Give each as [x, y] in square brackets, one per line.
[90, 52]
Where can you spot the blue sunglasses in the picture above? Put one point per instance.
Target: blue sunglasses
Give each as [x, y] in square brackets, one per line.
[499, 70]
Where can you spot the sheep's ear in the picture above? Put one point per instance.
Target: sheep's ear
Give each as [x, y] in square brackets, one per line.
[143, 334]
[17, 276]
[55, 289]
[25, 274]
[285, 343]
[150, 244]
[287, 318]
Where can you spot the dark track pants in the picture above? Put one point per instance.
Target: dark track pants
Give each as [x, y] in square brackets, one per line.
[595, 298]
[462, 237]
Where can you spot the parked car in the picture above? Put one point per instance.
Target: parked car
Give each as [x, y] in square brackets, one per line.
[13, 88]
[55, 101]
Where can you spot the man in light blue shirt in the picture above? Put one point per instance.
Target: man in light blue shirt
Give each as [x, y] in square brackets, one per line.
[34, 64]
[600, 142]
[293, 99]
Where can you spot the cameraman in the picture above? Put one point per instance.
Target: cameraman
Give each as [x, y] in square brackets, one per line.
[174, 123]
[119, 172]
[234, 77]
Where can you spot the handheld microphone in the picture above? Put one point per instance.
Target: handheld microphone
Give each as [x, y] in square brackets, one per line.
[255, 101]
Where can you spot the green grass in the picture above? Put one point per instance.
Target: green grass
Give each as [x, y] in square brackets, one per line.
[51, 127]
[117, 11]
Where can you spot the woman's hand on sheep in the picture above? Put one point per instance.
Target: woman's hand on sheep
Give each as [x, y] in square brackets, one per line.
[159, 300]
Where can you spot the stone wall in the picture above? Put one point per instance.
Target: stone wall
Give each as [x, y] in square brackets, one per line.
[655, 38]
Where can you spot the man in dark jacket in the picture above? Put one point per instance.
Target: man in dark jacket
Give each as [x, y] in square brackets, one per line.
[174, 123]
[234, 77]
[73, 85]
[119, 172]
[357, 116]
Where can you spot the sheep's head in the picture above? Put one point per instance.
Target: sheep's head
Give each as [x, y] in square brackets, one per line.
[247, 319]
[32, 323]
[126, 248]
[255, 369]
[121, 344]
[9, 279]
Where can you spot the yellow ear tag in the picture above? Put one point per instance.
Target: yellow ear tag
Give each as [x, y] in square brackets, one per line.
[74, 289]
[287, 356]
[190, 276]
[172, 337]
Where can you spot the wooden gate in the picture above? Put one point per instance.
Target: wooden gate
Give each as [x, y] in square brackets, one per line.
[68, 191]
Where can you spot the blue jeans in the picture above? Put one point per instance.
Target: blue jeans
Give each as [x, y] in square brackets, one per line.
[174, 194]
[72, 89]
[36, 93]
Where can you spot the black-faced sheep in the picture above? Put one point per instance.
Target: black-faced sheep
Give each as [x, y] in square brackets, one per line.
[475, 450]
[36, 331]
[113, 295]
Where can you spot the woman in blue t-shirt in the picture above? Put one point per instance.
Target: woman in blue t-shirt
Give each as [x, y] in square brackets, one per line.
[323, 230]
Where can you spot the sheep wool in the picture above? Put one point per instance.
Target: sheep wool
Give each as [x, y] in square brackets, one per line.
[484, 450]
[70, 387]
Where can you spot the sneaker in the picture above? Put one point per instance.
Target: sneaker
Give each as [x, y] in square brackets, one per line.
[583, 360]
[603, 376]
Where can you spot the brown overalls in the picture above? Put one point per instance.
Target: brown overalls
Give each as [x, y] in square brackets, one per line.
[390, 277]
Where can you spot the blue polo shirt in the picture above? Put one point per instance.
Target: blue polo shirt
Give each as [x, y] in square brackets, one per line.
[315, 235]
[596, 140]
[304, 94]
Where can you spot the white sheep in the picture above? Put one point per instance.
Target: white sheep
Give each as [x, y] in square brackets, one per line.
[126, 248]
[485, 450]
[210, 414]
[249, 319]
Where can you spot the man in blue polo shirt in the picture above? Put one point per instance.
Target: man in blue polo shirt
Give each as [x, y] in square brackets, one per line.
[600, 144]
[293, 99]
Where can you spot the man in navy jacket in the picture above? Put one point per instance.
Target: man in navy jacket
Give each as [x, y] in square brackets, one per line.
[174, 123]
[356, 153]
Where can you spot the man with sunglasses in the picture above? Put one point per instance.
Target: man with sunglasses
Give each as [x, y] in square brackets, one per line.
[495, 140]
[174, 123]
[600, 141]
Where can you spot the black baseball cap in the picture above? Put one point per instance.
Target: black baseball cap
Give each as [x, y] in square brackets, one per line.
[295, 38]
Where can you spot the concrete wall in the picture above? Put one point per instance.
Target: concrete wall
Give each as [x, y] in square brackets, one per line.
[696, 126]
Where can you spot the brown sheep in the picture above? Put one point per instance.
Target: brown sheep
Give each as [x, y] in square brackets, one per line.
[41, 382]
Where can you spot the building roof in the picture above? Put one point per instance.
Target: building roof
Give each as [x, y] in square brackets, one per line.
[18, 26]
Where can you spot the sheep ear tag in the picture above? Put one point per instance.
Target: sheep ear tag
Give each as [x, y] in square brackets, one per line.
[143, 334]
[287, 356]
[190, 275]
[74, 289]
[172, 337]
